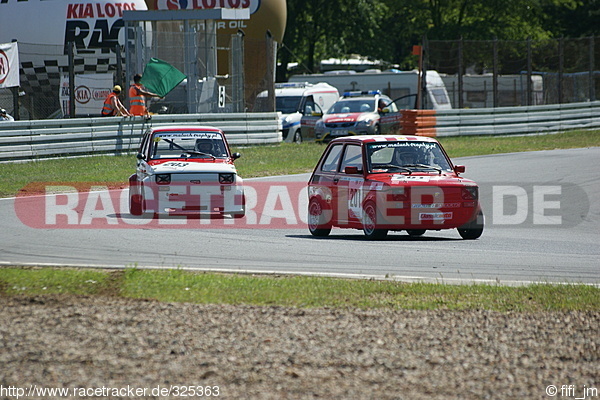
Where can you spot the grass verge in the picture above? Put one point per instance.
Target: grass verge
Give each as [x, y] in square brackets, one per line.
[289, 291]
[284, 158]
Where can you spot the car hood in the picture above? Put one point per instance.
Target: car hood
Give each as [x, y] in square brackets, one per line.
[187, 166]
[421, 179]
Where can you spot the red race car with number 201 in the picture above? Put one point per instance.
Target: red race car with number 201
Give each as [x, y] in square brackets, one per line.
[391, 183]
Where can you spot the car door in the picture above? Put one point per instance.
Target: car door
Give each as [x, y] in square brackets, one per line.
[390, 117]
[323, 183]
[312, 113]
[349, 183]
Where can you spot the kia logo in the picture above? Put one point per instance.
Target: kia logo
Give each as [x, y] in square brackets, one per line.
[4, 66]
[82, 94]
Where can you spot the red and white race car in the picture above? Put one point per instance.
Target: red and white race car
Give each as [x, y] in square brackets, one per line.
[186, 170]
[391, 183]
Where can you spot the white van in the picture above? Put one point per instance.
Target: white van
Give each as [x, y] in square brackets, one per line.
[295, 100]
[400, 86]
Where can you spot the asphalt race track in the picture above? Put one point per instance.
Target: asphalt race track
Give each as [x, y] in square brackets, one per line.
[542, 214]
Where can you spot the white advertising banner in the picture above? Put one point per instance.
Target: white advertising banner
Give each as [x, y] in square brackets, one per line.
[9, 65]
[90, 92]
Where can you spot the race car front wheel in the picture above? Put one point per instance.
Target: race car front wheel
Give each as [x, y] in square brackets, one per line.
[474, 229]
[136, 204]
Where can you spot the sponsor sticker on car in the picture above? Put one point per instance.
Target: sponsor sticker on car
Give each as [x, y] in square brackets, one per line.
[438, 216]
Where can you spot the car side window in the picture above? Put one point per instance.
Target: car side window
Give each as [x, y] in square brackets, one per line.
[309, 106]
[352, 157]
[330, 163]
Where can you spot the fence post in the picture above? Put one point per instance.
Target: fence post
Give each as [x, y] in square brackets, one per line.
[121, 79]
[529, 96]
[460, 73]
[561, 57]
[236, 69]
[71, 56]
[495, 71]
[592, 84]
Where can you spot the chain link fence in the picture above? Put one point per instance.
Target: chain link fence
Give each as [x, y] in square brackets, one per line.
[226, 72]
[496, 73]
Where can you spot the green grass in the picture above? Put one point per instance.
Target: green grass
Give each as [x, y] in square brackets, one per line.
[293, 291]
[285, 158]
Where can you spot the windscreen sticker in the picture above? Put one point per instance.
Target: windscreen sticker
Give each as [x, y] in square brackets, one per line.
[186, 135]
[407, 144]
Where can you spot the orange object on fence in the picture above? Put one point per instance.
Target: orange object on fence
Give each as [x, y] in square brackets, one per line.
[419, 122]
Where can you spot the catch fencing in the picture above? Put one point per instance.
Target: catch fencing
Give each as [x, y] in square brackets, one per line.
[42, 139]
[507, 73]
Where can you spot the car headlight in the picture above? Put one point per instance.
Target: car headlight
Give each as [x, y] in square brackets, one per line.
[470, 193]
[365, 123]
[163, 179]
[226, 178]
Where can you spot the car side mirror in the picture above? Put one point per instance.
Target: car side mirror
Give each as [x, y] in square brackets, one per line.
[459, 169]
[235, 156]
[352, 170]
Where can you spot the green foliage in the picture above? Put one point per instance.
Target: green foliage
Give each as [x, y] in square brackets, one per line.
[387, 29]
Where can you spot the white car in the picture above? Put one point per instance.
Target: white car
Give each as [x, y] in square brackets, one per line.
[186, 170]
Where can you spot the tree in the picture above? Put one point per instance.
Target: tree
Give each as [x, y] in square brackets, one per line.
[387, 29]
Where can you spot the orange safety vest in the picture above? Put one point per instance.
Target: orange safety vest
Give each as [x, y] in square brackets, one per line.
[108, 109]
[137, 102]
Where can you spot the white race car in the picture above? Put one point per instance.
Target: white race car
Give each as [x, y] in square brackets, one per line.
[184, 170]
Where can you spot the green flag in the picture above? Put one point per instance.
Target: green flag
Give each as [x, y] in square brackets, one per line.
[161, 77]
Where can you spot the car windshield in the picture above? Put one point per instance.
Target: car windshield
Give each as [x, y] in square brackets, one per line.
[353, 106]
[188, 145]
[406, 156]
[287, 104]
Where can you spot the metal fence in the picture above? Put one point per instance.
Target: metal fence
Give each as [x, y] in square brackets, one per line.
[238, 64]
[42, 139]
[497, 73]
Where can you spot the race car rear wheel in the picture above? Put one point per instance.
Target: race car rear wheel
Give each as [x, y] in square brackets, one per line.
[415, 232]
[370, 218]
[318, 223]
[474, 229]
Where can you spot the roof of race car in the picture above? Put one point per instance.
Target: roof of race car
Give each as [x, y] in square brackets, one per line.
[382, 138]
[184, 128]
